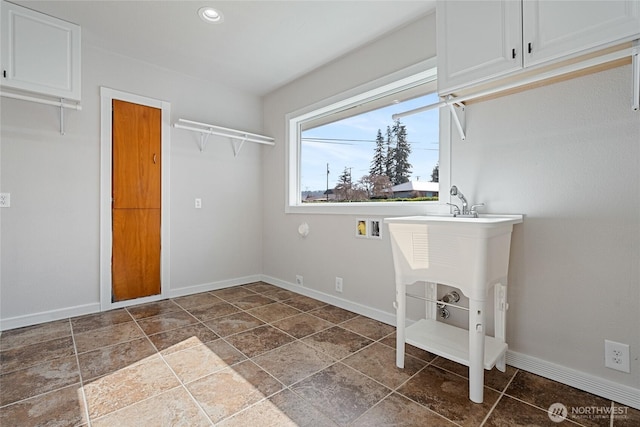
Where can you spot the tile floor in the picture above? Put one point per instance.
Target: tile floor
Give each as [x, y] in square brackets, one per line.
[256, 355]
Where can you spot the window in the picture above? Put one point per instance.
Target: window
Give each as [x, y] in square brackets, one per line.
[352, 150]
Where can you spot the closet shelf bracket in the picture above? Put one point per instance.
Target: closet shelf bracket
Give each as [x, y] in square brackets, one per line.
[237, 137]
[458, 113]
[62, 104]
[238, 147]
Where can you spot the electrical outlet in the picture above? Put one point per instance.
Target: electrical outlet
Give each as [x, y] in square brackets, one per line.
[5, 200]
[299, 280]
[198, 203]
[616, 356]
[338, 284]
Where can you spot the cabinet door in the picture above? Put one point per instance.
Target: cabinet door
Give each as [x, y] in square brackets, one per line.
[40, 54]
[555, 29]
[477, 40]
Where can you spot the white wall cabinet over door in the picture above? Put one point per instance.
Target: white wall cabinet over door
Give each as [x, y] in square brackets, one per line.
[482, 40]
[40, 53]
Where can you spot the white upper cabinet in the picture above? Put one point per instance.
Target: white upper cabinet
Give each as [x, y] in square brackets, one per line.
[482, 40]
[477, 40]
[40, 54]
[555, 29]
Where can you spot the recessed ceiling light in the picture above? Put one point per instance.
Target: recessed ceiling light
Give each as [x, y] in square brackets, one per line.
[209, 14]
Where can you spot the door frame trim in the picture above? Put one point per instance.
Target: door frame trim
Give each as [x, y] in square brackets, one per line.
[107, 95]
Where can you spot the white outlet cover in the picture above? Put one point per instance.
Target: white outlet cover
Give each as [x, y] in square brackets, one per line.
[616, 356]
[5, 200]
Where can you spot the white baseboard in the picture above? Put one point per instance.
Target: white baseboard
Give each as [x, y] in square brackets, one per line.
[48, 316]
[212, 286]
[607, 389]
[382, 316]
[81, 310]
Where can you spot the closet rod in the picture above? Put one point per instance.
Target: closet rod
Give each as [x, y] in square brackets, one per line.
[60, 103]
[592, 62]
[222, 131]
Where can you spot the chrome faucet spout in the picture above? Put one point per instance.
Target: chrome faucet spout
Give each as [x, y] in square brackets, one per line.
[465, 205]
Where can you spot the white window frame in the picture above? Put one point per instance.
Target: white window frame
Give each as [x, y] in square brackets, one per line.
[423, 72]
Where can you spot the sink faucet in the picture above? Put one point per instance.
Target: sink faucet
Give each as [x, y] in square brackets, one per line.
[465, 212]
[465, 206]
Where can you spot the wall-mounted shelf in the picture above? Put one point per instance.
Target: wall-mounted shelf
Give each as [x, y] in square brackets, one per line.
[61, 103]
[457, 106]
[238, 137]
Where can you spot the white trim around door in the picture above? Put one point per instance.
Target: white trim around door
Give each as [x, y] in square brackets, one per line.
[106, 97]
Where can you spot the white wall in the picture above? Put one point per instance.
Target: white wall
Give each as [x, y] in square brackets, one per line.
[331, 248]
[566, 155]
[50, 234]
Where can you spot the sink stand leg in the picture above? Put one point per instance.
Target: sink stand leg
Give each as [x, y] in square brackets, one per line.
[401, 301]
[476, 350]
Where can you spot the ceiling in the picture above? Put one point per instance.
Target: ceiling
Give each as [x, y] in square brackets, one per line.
[260, 46]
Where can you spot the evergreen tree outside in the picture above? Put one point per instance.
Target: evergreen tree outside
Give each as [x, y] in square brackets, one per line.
[378, 164]
[389, 161]
[344, 189]
[435, 175]
[401, 154]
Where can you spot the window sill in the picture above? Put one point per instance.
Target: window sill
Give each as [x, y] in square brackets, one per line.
[371, 208]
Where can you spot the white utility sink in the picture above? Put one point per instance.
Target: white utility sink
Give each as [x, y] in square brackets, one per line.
[471, 254]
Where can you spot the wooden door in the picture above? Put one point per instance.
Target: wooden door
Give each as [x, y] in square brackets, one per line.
[136, 194]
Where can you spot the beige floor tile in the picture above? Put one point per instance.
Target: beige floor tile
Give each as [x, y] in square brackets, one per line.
[181, 338]
[271, 312]
[197, 300]
[227, 392]
[152, 309]
[293, 362]
[232, 294]
[174, 408]
[259, 340]
[106, 360]
[333, 314]
[398, 411]
[166, 322]
[252, 301]
[34, 354]
[341, 393]
[302, 325]
[368, 327]
[195, 362]
[542, 393]
[214, 311]
[100, 320]
[379, 362]
[284, 409]
[337, 342]
[304, 303]
[107, 335]
[128, 385]
[63, 407]
[448, 395]
[38, 379]
[34, 334]
[261, 287]
[233, 324]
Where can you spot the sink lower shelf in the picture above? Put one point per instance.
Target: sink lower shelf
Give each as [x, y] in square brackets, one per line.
[451, 342]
